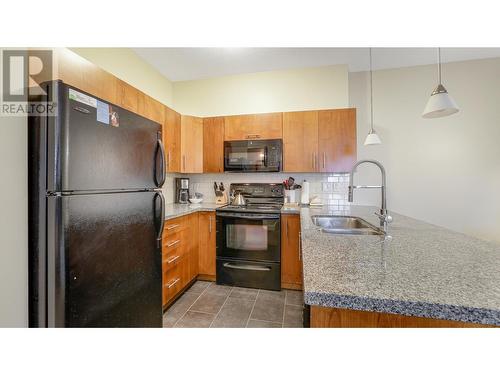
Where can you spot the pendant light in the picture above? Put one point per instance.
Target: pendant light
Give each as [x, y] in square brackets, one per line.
[372, 138]
[440, 103]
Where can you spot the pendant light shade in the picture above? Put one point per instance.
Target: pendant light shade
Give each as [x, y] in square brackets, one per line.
[440, 103]
[372, 138]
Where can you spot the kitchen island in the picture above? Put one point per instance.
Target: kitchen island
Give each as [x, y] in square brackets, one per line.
[423, 271]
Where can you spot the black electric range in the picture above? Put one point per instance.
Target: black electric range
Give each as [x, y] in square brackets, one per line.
[249, 238]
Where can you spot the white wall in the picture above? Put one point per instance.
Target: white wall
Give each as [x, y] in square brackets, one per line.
[277, 91]
[13, 221]
[445, 171]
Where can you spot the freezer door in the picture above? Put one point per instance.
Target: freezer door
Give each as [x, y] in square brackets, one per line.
[104, 260]
[94, 145]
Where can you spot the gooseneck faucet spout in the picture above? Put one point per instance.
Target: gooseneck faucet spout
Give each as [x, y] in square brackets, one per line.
[383, 215]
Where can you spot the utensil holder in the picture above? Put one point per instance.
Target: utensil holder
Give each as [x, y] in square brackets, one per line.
[290, 196]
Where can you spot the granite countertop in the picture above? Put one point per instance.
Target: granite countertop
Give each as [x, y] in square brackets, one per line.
[173, 210]
[424, 270]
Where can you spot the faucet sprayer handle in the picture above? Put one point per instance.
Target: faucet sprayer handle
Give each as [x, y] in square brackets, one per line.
[385, 217]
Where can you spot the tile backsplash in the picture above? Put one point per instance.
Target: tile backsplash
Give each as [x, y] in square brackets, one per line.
[330, 187]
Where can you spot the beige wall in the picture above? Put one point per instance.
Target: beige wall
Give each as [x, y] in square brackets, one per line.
[129, 67]
[13, 221]
[276, 91]
[444, 171]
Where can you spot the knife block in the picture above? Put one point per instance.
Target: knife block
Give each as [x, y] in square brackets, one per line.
[221, 199]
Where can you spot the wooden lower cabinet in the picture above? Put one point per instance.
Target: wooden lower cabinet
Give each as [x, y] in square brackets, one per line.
[206, 244]
[291, 257]
[328, 317]
[191, 238]
[175, 277]
[179, 255]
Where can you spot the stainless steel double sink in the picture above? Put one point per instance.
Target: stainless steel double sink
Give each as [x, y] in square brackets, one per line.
[345, 225]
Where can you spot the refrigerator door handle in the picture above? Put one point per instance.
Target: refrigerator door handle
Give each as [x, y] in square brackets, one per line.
[162, 218]
[160, 182]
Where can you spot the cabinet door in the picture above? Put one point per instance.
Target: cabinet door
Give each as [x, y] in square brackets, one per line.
[192, 243]
[153, 110]
[81, 73]
[254, 126]
[130, 98]
[172, 139]
[207, 244]
[337, 139]
[291, 257]
[213, 144]
[191, 144]
[300, 141]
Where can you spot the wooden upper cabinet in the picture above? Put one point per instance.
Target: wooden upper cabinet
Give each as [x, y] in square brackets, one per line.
[191, 144]
[206, 242]
[291, 258]
[255, 126]
[337, 140]
[130, 98]
[172, 139]
[76, 71]
[154, 110]
[300, 141]
[213, 144]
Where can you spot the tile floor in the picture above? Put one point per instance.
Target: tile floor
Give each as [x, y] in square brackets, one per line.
[207, 304]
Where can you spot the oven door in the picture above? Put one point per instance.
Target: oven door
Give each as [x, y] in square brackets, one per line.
[249, 236]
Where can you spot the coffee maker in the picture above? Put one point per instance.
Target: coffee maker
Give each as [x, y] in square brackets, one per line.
[181, 190]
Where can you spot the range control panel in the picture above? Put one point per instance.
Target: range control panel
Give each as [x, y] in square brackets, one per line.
[259, 190]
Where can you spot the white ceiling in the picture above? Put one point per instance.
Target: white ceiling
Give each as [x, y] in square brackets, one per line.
[180, 64]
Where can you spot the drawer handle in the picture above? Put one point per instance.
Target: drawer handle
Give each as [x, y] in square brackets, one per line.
[172, 226]
[246, 267]
[173, 283]
[173, 259]
[253, 136]
[300, 246]
[173, 243]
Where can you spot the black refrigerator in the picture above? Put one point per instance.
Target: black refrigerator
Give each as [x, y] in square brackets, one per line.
[96, 214]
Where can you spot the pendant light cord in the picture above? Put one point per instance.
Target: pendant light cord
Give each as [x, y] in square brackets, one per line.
[371, 93]
[439, 65]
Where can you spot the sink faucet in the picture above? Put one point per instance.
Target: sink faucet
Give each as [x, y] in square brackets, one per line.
[383, 215]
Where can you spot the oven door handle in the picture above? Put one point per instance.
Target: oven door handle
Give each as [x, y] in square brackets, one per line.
[256, 217]
[246, 267]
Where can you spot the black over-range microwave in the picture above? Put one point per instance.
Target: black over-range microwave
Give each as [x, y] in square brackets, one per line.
[253, 156]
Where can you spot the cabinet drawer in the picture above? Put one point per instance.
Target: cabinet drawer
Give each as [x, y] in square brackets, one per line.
[173, 226]
[171, 259]
[175, 278]
[172, 243]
